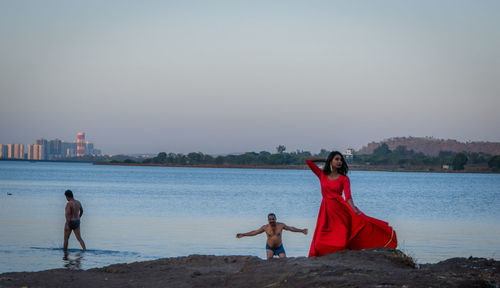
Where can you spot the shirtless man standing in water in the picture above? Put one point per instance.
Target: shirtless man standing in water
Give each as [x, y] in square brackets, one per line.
[73, 213]
[274, 246]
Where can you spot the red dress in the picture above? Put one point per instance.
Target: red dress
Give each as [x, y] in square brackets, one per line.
[339, 227]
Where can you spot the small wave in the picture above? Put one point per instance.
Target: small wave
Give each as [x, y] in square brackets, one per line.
[89, 251]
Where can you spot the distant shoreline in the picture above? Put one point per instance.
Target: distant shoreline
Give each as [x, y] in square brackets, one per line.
[352, 167]
[294, 167]
[289, 167]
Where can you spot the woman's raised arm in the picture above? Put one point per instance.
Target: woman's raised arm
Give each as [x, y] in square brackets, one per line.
[313, 166]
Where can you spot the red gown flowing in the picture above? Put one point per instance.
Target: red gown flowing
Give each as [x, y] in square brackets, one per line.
[339, 227]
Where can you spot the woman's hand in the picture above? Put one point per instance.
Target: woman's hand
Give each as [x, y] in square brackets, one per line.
[353, 207]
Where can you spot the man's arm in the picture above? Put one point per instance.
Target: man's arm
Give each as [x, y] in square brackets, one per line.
[251, 233]
[67, 213]
[293, 229]
[81, 208]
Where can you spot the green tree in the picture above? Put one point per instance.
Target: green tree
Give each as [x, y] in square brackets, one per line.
[494, 162]
[208, 159]
[171, 158]
[195, 158]
[459, 161]
[181, 159]
[219, 160]
[476, 158]
[263, 157]
[403, 162]
[323, 153]
[248, 158]
[277, 159]
[162, 157]
[401, 151]
[280, 149]
[382, 150]
[446, 157]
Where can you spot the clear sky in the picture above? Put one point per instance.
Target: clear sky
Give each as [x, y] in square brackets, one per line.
[234, 76]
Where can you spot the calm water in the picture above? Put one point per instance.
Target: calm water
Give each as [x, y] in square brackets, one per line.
[144, 213]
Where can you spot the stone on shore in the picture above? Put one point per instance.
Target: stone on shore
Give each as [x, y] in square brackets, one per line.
[379, 267]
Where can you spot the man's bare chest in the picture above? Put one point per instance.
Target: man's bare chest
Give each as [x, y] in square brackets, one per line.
[273, 232]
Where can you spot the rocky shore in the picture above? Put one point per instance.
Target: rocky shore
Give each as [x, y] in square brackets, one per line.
[380, 267]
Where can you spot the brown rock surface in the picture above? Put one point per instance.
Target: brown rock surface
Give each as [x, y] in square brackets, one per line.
[381, 267]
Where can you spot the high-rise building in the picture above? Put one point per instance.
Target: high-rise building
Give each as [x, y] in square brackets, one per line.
[43, 149]
[41, 152]
[18, 151]
[68, 149]
[36, 147]
[89, 148]
[55, 150]
[3, 151]
[80, 144]
[10, 151]
[29, 155]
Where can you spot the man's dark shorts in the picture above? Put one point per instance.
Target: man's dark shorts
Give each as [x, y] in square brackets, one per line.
[276, 251]
[73, 224]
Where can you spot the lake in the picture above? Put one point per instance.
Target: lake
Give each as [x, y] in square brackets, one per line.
[136, 213]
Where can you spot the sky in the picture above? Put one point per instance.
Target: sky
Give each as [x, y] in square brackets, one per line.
[224, 77]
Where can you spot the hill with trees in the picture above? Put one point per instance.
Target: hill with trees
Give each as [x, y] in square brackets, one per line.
[402, 159]
[432, 146]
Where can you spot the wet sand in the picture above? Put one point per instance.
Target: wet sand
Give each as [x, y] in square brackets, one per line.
[380, 267]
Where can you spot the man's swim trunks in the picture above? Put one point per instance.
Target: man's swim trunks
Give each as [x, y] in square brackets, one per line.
[276, 251]
[73, 224]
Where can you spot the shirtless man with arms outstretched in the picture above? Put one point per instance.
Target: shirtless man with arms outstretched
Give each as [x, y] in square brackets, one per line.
[273, 230]
[73, 213]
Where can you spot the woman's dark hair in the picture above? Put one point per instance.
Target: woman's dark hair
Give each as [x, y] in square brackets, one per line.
[343, 170]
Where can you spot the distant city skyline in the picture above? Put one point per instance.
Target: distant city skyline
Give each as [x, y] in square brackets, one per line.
[45, 149]
[223, 77]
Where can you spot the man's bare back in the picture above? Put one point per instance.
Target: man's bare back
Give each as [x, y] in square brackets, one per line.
[73, 210]
[273, 231]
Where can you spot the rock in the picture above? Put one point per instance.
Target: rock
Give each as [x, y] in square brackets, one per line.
[381, 267]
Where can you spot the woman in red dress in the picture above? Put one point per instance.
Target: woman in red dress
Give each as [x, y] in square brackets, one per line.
[341, 225]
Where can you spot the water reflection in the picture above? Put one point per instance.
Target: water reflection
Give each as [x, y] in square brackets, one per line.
[73, 261]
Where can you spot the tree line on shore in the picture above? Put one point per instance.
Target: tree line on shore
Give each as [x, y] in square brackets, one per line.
[382, 157]
[400, 157]
[281, 157]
